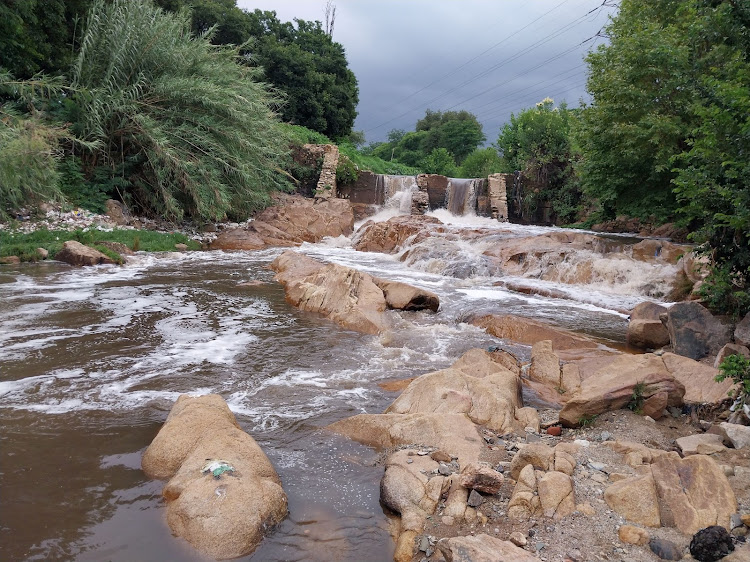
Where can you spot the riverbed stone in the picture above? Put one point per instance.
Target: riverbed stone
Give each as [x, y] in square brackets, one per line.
[731, 349]
[698, 379]
[480, 477]
[524, 502]
[402, 296]
[75, 253]
[701, 444]
[539, 455]
[453, 433]
[694, 493]
[528, 331]
[556, 495]
[482, 548]
[647, 334]
[636, 499]
[391, 236]
[223, 516]
[633, 535]
[736, 434]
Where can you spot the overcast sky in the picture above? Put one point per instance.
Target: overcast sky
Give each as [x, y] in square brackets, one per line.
[490, 57]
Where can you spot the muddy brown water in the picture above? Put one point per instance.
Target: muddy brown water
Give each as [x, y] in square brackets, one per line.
[92, 359]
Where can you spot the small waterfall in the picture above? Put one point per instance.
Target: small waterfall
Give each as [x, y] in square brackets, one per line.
[398, 192]
[461, 196]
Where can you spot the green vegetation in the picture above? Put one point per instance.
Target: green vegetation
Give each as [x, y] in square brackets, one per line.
[667, 132]
[25, 245]
[637, 399]
[587, 420]
[453, 134]
[737, 368]
[538, 142]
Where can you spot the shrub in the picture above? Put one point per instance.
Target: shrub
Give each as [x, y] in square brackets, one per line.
[193, 128]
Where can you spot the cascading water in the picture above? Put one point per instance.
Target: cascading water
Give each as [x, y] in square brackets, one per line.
[399, 191]
[461, 196]
[92, 359]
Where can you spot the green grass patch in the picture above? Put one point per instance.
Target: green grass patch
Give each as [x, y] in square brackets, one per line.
[25, 245]
[375, 164]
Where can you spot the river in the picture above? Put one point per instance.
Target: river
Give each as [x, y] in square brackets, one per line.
[92, 359]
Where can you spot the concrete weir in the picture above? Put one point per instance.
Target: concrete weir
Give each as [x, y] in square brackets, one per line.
[427, 192]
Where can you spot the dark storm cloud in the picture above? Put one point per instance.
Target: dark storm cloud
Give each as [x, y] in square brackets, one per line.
[398, 48]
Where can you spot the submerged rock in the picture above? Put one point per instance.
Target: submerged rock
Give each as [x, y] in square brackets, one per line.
[222, 510]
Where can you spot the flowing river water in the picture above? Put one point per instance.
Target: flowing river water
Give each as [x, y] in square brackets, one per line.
[92, 359]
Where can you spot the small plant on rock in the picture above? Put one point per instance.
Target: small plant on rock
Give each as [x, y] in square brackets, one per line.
[587, 420]
[737, 368]
[636, 400]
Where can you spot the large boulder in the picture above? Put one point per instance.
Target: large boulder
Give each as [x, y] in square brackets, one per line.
[528, 331]
[524, 502]
[291, 220]
[556, 495]
[645, 329]
[615, 386]
[490, 401]
[695, 332]
[75, 253]
[402, 296]
[348, 297]
[391, 236]
[698, 380]
[482, 548]
[636, 499]
[222, 509]
[694, 493]
[453, 433]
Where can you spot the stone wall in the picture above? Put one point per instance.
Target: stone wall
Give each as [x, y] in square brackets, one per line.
[498, 187]
[436, 187]
[368, 190]
[327, 181]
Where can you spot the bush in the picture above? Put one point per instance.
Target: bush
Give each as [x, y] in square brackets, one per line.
[192, 128]
[28, 161]
[346, 171]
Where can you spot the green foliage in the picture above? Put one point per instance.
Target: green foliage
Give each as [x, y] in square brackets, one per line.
[192, 130]
[480, 164]
[374, 164]
[38, 36]
[637, 121]
[726, 292]
[91, 194]
[637, 399]
[346, 171]
[668, 129]
[28, 161]
[300, 135]
[458, 133]
[439, 161]
[537, 142]
[737, 368]
[25, 245]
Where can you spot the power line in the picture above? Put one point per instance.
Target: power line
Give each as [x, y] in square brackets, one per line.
[528, 49]
[468, 62]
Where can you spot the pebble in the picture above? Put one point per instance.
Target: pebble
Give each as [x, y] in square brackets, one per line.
[424, 543]
[475, 499]
[539, 546]
[652, 420]
[735, 521]
[574, 556]
[554, 431]
[728, 469]
[606, 436]
[448, 520]
[600, 466]
[518, 538]
[409, 461]
[664, 549]
[440, 456]
[599, 477]
[582, 442]
[445, 469]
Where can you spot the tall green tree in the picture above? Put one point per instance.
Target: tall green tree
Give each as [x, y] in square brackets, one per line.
[639, 117]
[667, 133]
[537, 142]
[190, 129]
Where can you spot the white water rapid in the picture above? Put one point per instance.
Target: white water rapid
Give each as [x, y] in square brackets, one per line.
[92, 359]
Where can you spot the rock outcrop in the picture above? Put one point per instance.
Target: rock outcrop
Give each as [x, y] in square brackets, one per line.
[348, 297]
[695, 332]
[689, 494]
[627, 378]
[528, 331]
[223, 494]
[392, 235]
[742, 331]
[290, 221]
[77, 254]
